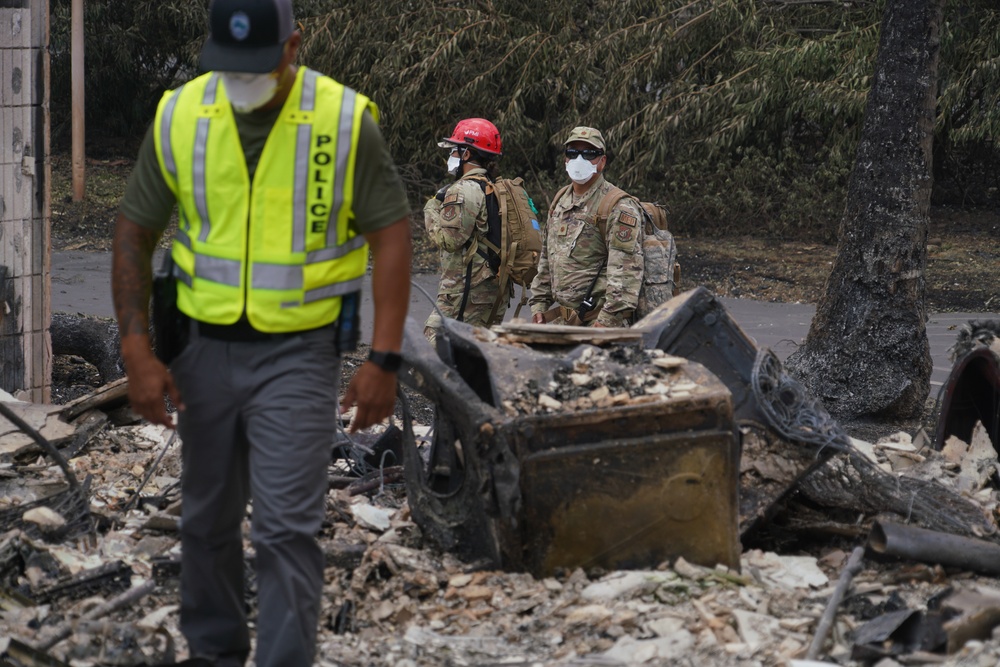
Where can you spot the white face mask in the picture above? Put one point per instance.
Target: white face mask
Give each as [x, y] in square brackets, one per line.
[581, 170]
[453, 164]
[247, 92]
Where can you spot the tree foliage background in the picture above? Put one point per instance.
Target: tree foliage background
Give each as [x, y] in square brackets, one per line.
[741, 115]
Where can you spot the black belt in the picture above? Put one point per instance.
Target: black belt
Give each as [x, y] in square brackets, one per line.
[243, 332]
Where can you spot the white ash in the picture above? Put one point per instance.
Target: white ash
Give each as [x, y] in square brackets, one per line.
[603, 377]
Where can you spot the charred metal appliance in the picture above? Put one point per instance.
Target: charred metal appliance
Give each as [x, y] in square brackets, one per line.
[563, 455]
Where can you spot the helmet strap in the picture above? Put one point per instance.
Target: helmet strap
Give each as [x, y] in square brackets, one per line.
[473, 157]
[462, 161]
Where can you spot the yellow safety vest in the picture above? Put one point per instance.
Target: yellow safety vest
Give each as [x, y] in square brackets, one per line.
[282, 249]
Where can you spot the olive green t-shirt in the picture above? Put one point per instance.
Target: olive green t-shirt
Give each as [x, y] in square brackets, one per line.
[379, 196]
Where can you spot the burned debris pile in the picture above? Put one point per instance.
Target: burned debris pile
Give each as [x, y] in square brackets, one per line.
[662, 495]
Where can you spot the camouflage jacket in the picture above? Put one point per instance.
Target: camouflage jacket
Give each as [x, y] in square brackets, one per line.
[451, 224]
[573, 252]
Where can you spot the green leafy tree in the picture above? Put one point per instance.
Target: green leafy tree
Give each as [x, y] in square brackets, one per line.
[742, 115]
[134, 50]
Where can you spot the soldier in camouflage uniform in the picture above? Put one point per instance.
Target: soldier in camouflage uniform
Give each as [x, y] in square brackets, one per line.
[455, 218]
[577, 258]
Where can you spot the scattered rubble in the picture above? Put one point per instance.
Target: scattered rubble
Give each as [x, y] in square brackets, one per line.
[107, 594]
[392, 600]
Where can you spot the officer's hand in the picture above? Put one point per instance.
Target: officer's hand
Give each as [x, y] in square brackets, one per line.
[373, 390]
[538, 318]
[148, 381]
[598, 325]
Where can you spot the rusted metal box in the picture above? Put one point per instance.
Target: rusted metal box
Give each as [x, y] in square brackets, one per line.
[627, 484]
[630, 487]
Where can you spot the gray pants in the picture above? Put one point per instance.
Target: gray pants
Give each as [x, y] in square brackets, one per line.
[258, 423]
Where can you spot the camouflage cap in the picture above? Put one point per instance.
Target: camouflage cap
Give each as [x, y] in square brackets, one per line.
[589, 135]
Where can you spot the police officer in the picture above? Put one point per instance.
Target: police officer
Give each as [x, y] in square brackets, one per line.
[590, 269]
[283, 181]
[456, 219]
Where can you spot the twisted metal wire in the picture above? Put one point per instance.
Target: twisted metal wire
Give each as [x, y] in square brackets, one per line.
[854, 481]
[790, 410]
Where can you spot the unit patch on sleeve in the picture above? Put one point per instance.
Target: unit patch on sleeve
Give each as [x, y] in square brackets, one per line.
[625, 229]
[450, 207]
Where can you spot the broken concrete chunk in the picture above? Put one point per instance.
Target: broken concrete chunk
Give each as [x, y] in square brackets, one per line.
[590, 614]
[156, 618]
[45, 518]
[667, 362]
[624, 584]
[630, 651]
[690, 571]
[756, 630]
[899, 440]
[369, 516]
[786, 572]
[954, 449]
[549, 403]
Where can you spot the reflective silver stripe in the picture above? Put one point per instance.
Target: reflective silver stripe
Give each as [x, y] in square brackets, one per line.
[288, 276]
[277, 276]
[182, 238]
[165, 142]
[218, 270]
[309, 90]
[343, 152]
[336, 252]
[303, 141]
[211, 89]
[330, 291]
[200, 149]
[200, 189]
[182, 275]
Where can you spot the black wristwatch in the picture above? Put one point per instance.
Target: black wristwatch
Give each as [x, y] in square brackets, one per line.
[387, 361]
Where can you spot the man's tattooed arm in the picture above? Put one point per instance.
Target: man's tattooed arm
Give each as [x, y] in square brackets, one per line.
[132, 275]
[131, 284]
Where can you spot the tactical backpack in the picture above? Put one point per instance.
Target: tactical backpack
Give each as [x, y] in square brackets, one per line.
[512, 243]
[661, 271]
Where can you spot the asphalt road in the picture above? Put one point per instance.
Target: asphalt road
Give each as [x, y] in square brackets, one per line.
[81, 283]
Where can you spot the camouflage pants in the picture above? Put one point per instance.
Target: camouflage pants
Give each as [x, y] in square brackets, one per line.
[568, 316]
[477, 308]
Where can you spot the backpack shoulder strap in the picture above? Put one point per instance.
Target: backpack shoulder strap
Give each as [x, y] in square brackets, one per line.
[485, 183]
[489, 188]
[615, 195]
[559, 195]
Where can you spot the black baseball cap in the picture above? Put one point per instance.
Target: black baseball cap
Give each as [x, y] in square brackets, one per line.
[246, 35]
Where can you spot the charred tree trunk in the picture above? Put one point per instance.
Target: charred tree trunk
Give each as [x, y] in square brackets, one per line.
[867, 352]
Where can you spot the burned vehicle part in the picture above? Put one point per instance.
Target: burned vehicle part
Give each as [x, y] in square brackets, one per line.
[971, 393]
[771, 408]
[571, 455]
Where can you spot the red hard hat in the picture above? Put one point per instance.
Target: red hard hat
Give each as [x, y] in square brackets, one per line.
[477, 133]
